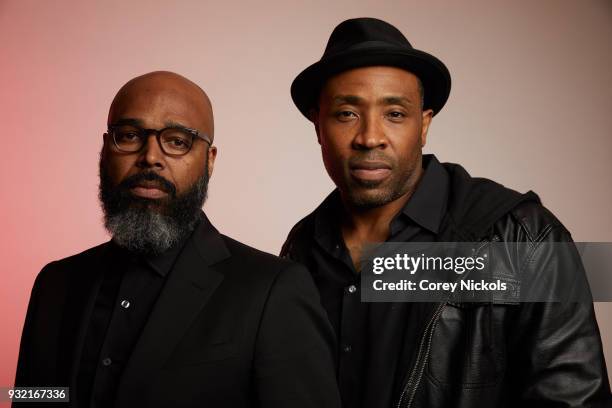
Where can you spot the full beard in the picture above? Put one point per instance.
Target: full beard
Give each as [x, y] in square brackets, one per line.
[150, 226]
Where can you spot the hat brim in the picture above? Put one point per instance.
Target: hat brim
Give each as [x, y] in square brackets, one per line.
[431, 71]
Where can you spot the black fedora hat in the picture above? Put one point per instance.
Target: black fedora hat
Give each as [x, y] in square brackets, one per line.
[363, 42]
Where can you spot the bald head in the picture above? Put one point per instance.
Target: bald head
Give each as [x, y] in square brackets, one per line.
[164, 97]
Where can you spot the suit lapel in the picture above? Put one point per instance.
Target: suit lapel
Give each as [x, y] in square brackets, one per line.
[188, 288]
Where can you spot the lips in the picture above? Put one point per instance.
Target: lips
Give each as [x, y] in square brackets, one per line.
[370, 170]
[148, 189]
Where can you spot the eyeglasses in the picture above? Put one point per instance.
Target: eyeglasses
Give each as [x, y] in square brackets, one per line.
[174, 141]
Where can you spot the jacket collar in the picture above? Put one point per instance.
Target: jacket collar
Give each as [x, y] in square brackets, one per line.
[475, 204]
[209, 243]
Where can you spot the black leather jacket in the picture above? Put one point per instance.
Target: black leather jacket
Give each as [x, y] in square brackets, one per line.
[508, 354]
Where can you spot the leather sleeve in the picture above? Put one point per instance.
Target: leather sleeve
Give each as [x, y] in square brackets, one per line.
[293, 357]
[560, 358]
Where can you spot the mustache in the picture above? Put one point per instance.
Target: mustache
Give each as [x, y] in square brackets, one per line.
[370, 156]
[136, 179]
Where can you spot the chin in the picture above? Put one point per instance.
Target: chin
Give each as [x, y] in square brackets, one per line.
[371, 198]
[148, 201]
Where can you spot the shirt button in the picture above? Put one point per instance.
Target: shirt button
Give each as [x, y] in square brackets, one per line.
[347, 348]
[125, 304]
[352, 289]
[107, 361]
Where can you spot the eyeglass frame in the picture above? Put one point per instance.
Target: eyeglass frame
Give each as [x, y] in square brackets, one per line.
[146, 132]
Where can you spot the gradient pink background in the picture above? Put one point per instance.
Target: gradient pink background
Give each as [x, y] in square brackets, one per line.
[530, 107]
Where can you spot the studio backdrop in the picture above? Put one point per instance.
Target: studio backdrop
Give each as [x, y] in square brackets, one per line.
[529, 107]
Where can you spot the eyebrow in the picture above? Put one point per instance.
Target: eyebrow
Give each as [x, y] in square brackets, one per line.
[171, 124]
[348, 99]
[396, 100]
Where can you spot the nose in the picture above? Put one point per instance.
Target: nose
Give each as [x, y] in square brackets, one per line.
[371, 134]
[151, 154]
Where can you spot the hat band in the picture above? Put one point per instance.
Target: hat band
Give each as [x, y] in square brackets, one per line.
[367, 44]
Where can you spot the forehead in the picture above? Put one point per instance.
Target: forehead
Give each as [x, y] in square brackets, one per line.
[156, 104]
[374, 81]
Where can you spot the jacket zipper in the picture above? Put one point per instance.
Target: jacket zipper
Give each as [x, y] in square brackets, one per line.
[419, 364]
[421, 360]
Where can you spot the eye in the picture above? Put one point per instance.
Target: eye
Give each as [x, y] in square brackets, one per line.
[127, 134]
[176, 140]
[345, 115]
[396, 116]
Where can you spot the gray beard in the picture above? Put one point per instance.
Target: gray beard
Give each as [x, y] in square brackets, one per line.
[147, 232]
[138, 228]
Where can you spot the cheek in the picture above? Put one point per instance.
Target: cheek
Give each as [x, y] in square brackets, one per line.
[117, 168]
[335, 142]
[406, 141]
[334, 153]
[335, 161]
[185, 173]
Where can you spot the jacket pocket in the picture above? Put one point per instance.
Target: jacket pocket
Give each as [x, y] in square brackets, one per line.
[468, 345]
[215, 345]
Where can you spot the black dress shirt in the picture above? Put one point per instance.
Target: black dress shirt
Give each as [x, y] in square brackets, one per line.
[126, 296]
[355, 322]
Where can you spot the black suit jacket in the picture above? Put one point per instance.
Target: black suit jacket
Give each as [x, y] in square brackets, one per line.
[232, 327]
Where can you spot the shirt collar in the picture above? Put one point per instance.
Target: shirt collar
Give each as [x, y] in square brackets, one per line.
[428, 202]
[162, 263]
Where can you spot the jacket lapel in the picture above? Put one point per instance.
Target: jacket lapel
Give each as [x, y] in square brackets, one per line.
[188, 288]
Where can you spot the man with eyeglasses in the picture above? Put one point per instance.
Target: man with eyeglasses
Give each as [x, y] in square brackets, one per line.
[170, 312]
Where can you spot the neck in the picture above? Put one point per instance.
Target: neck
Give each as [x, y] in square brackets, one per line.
[371, 224]
[361, 226]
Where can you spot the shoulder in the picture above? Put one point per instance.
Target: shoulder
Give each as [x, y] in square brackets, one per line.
[300, 233]
[248, 255]
[530, 221]
[260, 266]
[535, 218]
[476, 204]
[54, 275]
[88, 255]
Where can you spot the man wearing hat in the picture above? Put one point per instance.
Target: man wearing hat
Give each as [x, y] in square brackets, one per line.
[371, 98]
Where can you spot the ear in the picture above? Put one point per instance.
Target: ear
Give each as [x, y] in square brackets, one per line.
[314, 118]
[212, 155]
[426, 121]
